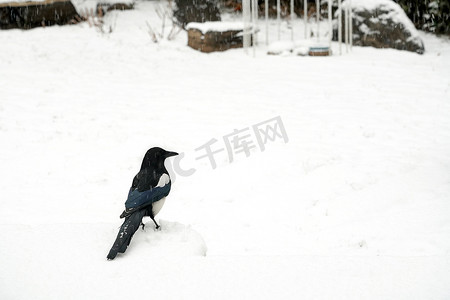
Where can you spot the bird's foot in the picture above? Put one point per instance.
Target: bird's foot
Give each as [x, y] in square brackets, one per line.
[143, 225]
[157, 228]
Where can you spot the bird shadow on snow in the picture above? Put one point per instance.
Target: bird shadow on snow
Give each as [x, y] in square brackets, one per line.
[172, 239]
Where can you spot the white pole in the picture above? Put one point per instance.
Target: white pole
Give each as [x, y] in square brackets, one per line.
[346, 27]
[246, 16]
[351, 25]
[305, 17]
[340, 27]
[292, 20]
[318, 18]
[254, 17]
[330, 25]
[266, 7]
[254, 20]
[278, 19]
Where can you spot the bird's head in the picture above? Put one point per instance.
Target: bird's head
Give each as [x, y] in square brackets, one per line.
[155, 157]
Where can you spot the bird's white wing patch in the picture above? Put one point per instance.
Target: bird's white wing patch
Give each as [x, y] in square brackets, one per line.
[163, 180]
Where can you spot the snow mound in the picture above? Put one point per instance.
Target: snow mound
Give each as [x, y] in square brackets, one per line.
[173, 239]
[83, 5]
[360, 5]
[391, 11]
[300, 47]
[19, 1]
[280, 47]
[382, 24]
[216, 26]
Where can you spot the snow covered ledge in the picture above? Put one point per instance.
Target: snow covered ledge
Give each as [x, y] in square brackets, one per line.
[382, 24]
[215, 36]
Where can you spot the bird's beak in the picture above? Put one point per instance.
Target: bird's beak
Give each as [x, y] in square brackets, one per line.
[169, 154]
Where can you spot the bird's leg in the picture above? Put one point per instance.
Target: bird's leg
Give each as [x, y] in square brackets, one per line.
[157, 226]
[150, 212]
[143, 225]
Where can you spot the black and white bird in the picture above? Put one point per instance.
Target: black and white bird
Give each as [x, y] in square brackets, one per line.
[146, 197]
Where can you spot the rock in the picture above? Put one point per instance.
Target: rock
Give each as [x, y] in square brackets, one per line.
[381, 24]
[107, 7]
[214, 41]
[200, 11]
[215, 36]
[26, 15]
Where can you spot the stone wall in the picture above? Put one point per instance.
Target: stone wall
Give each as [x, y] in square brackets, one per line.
[26, 15]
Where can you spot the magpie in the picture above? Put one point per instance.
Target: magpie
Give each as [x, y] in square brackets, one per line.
[146, 197]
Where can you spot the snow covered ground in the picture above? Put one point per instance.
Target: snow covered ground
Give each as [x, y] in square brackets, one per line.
[355, 205]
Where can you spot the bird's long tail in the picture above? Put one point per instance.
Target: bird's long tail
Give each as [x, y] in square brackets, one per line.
[126, 232]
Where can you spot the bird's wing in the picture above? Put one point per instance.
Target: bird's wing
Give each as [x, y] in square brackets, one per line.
[146, 179]
[137, 200]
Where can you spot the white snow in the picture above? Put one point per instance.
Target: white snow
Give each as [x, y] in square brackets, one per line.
[298, 47]
[19, 1]
[77, 3]
[280, 47]
[216, 26]
[354, 206]
[369, 4]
